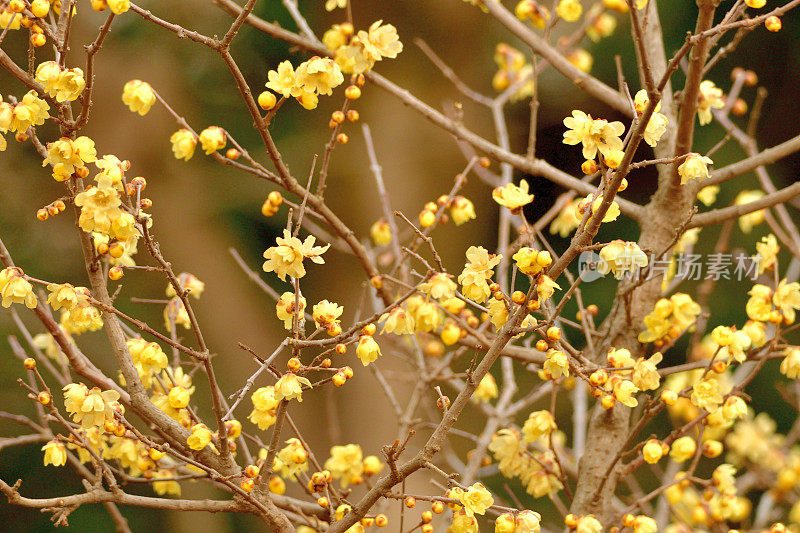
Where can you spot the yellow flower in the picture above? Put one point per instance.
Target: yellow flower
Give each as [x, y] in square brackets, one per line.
[538, 424]
[345, 463]
[512, 196]
[212, 138]
[285, 308]
[498, 312]
[556, 364]
[656, 128]
[326, 314]
[486, 390]
[90, 408]
[767, 253]
[290, 386]
[462, 210]
[706, 395]
[183, 144]
[307, 99]
[757, 331]
[179, 397]
[440, 286]
[70, 85]
[530, 10]
[787, 299]
[759, 306]
[381, 232]
[476, 499]
[148, 357]
[100, 207]
[16, 289]
[594, 134]
[318, 75]
[708, 195]
[118, 7]
[330, 5]
[283, 80]
[750, 220]
[652, 451]
[398, 321]
[642, 523]
[80, 319]
[624, 393]
[505, 522]
[477, 270]
[737, 343]
[367, 350]
[602, 26]
[291, 459]
[620, 257]
[9, 19]
[507, 448]
[31, 111]
[167, 487]
[694, 167]
[545, 287]
[645, 372]
[264, 407]
[463, 522]
[65, 155]
[569, 10]
[567, 220]
[611, 215]
[710, 96]
[287, 257]
[380, 41]
[528, 522]
[138, 95]
[683, 449]
[580, 59]
[337, 36]
[790, 366]
[426, 313]
[200, 437]
[589, 524]
[734, 408]
[531, 261]
[55, 453]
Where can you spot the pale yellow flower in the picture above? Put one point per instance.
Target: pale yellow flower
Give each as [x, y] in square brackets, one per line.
[706, 395]
[212, 138]
[708, 195]
[787, 299]
[645, 372]
[790, 366]
[749, 221]
[596, 135]
[200, 437]
[512, 196]
[440, 286]
[31, 111]
[367, 350]
[486, 390]
[620, 257]
[330, 5]
[319, 75]
[55, 453]
[710, 97]
[283, 80]
[538, 424]
[138, 95]
[569, 10]
[183, 144]
[345, 463]
[767, 252]
[476, 499]
[462, 210]
[285, 308]
[694, 167]
[290, 386]
[264, 407]
[567, 220]
[287, 258]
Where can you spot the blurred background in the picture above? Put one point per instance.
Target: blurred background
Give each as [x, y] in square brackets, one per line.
[201, 208]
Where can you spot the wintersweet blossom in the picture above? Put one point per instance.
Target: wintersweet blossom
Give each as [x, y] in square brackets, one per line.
[462, 210]
[55, 453]
[139, 96]
[538, 424]
[326, 315]
[694, 167]
[767, 253]
[620, 257]
[706, 394]
[31, 111]
[265, 406]
[212, 138]
[183, 144]
[90, 408]
[790, 366]
[569, 10]
[750, 220]
[486, 390]
[513, 196]
[346, 463]
[318, 75]
[199, 438]
[287, 258]
[787, 299]
[596, 135]
[710, 97]
[476, 499]
[290, 386]
[14, 288]
[367, 350]
[477, 271]
[439, 286]
[285, 308]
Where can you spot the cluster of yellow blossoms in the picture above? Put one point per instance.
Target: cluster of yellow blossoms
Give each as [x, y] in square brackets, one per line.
[65, 85]
[357, 52]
